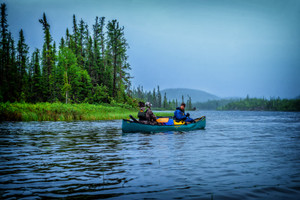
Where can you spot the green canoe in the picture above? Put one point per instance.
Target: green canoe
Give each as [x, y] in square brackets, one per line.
[129, 126]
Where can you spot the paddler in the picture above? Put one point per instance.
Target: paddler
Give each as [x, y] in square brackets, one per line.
[145, 114]
[179, 114]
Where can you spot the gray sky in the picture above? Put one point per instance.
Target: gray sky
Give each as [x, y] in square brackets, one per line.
[225, 47]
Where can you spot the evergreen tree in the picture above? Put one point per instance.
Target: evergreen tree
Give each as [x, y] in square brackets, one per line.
[173, 104]
[68, 38]
[90, 62]
[117, 47]
[189, 103]
[22, 67]
[4, 41]
[62, 43]
[165, 102]
[158, 98]
[11, 88]
[47, 60]
[169, 105]
[4, 55]
[98, 41]
[36, 84]
[75, 37]
[154, 102]
[82, 40]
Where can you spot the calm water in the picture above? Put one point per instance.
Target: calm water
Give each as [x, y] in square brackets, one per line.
[240, 155]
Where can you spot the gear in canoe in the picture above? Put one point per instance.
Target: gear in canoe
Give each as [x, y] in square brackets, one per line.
[164, 124]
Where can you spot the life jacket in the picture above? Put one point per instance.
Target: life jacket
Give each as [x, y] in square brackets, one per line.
[142, 114]
[179, 115]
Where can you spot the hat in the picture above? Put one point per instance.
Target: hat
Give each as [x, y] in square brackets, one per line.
[141, 104]
[148, 104]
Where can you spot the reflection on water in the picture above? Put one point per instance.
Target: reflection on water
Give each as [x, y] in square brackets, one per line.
[240, 155]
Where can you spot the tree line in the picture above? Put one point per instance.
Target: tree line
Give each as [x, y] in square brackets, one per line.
[86, 66]
[157, 100]
[273, 104]
[213, 104]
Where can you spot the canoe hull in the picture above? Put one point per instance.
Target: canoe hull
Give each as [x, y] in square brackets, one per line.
[133, 127]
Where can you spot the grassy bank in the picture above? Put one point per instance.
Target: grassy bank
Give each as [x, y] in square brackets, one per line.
[64, 112]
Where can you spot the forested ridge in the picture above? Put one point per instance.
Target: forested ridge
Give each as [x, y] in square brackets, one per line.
[84, 67]
[272, 104]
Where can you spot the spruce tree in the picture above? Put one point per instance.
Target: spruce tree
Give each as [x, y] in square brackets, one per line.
[117, 47]
[165, 102]
[68, 38]
[11, 84]
[75, 37]
[158, 98]
[36, 95]
[22, 67]
[62, 43]
[189, 103]
[154, 102]
[4, 55]
[82, 40]
[47, 59]
[98, 48]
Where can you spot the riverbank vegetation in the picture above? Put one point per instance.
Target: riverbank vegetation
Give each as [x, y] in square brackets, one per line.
[66, 112]
[273, 104]
[62, 112]
[88, 66]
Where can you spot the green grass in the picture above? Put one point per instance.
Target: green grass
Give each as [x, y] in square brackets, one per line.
[62, 112]
[66, 112]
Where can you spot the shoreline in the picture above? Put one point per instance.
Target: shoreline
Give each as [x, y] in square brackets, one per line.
[66, 112]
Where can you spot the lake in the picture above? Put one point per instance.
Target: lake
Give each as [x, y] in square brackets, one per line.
[240, 155]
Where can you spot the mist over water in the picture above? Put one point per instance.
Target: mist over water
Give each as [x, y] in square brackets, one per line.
[240, 155]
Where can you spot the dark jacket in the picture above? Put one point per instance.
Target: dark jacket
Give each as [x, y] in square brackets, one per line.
[149, 115]
[179, 114]
[146, 115]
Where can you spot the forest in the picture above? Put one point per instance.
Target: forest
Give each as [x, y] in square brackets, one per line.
[85, 67]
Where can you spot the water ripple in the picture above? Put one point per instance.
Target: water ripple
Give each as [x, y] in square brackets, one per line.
[240, 155]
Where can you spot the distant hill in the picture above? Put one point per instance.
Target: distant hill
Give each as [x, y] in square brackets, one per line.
[196, 95]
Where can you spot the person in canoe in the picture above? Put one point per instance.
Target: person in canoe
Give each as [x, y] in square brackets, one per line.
[179, 114]
[145, 114]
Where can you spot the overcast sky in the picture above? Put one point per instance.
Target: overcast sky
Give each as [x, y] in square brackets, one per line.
[227, 48]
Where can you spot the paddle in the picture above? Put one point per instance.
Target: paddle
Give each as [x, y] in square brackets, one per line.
[133, 119]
